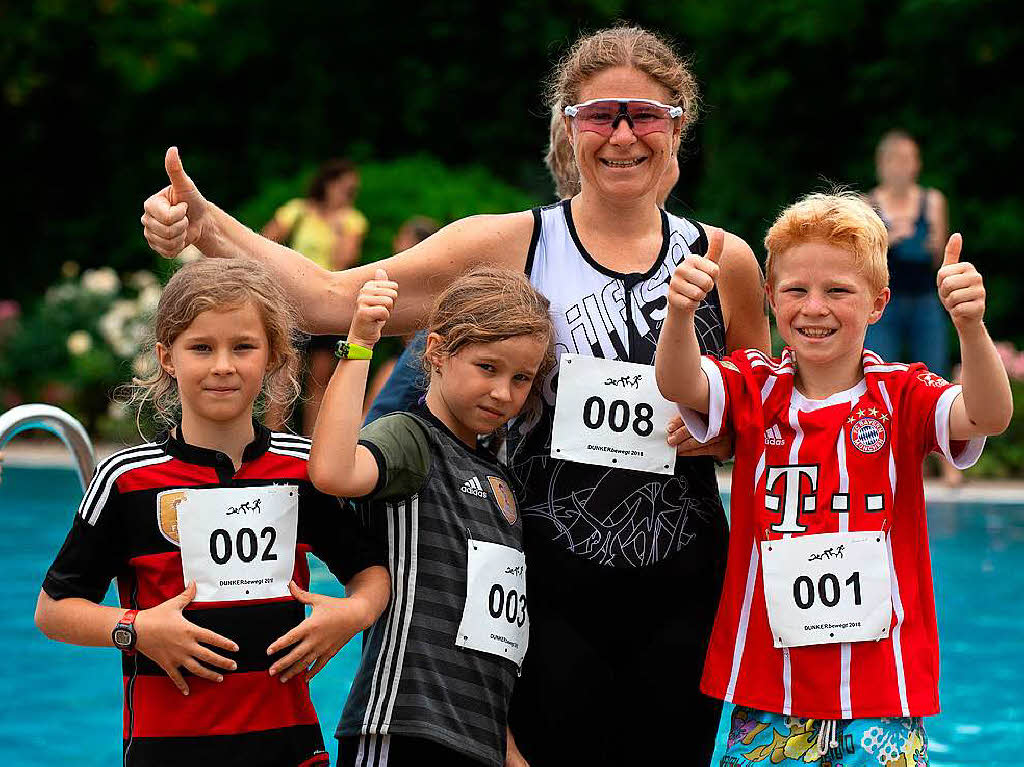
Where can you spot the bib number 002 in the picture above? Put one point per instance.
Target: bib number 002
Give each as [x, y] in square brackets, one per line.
[245, 546]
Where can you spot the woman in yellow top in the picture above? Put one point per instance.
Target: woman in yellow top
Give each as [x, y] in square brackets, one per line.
[326, 228]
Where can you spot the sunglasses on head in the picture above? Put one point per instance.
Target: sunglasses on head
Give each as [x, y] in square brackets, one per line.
[643, 116]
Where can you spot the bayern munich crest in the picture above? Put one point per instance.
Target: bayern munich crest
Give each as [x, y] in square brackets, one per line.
[868, 435]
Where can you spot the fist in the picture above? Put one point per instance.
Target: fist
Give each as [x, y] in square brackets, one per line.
[694, 278]
[961, 288]
[374, 304]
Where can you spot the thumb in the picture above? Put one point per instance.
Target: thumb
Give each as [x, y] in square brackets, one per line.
[380, 275]
[186, 596]
[302, 596]
[716, 245]
[182, 186]
[953, 248]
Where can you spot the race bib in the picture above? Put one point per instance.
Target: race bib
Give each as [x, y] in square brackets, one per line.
[238, 543]
[827, 588]
[494, 618]
[610, 413]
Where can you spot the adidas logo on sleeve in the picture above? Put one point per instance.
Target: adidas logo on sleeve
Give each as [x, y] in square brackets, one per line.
[773, 436]
[473, 487]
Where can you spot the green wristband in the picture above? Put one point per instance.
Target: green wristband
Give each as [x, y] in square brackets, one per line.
[347, 351]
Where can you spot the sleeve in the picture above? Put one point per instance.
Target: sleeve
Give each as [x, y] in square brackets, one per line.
[403, 386]
[727, 389]
[402, 452]
[337, 537]
[289, 213]
[927, 401]
[356, 223]
[91, 555]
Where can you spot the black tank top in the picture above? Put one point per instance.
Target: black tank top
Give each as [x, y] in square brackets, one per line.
[613, 517]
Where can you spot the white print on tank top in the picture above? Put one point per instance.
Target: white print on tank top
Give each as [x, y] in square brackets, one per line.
[591, 511]
[238, 543]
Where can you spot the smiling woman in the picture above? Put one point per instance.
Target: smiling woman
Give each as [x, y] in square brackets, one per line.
[595, 536]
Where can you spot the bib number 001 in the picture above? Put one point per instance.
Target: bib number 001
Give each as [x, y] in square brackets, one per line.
[618, 416]
[828, 590]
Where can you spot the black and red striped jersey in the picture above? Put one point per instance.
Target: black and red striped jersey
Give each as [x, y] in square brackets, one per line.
[125, 529]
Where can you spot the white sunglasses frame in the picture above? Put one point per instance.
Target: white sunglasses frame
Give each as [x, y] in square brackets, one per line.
[673, 112]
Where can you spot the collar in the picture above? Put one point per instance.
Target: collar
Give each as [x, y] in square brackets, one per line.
[203, 456]
[420, 409]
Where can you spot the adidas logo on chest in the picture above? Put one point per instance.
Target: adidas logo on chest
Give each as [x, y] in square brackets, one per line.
[472, 486]
[773, 436]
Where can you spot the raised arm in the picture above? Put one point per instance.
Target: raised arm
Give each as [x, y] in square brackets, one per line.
[178, 215]
[741, 288]
[338, 465]
[986, 405]
[677, 362]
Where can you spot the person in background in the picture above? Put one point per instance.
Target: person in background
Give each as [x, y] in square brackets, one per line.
[397, 384]
[327, 229]
[914, 326]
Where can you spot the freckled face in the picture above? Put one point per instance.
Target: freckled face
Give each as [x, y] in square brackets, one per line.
[823, 304]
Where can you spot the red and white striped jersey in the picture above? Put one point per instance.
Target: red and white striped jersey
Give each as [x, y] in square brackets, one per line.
[850, 462]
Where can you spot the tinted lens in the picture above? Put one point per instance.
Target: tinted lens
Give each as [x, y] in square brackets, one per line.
[602, 117]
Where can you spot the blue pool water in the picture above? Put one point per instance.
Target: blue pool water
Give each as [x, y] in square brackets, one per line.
[61, 704]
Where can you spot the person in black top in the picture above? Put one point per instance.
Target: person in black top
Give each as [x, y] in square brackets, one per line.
[206, 530]
[622, 151]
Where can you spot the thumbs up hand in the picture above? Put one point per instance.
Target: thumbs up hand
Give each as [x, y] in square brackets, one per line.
[174, 217]
[696, 276]
[374, 304]
[961, 289]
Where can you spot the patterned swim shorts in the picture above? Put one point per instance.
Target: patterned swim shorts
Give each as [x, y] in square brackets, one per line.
[761, 738]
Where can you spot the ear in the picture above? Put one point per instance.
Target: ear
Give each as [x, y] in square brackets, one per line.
[881, 301]
[432, 353]
[163, 356]
[769, 294]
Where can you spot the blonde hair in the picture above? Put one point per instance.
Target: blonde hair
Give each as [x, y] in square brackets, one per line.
[219, 285]
[489, 304]
[842, 219]
[560, 160]
[623, 46]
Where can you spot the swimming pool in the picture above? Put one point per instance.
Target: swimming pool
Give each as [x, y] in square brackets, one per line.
[62, 704]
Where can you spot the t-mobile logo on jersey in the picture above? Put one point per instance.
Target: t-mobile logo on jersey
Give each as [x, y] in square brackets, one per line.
[790, 501]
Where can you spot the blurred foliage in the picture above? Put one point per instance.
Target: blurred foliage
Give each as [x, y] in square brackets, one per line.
[392, 192]
[796, 94]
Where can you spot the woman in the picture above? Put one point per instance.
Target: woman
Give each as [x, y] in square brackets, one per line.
[326, 228]
[625, 567]
[918, 224]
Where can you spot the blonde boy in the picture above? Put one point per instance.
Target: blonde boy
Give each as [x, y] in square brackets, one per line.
[826, 633]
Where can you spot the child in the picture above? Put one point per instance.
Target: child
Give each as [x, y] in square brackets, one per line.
[221, 504]
[826, 635]
[437, 670]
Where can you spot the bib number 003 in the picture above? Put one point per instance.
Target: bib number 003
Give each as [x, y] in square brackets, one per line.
[511, 606]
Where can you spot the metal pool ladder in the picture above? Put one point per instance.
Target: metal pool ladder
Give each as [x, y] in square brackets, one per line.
[57, 422]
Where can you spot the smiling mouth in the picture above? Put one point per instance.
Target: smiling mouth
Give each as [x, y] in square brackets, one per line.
[816, 332]
[623, 163]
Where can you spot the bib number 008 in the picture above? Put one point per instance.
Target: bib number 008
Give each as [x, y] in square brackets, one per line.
[828, 590]
[594, 410]
[245, 546]
[511, 605]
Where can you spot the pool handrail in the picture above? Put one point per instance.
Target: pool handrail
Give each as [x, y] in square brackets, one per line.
[59, 423]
